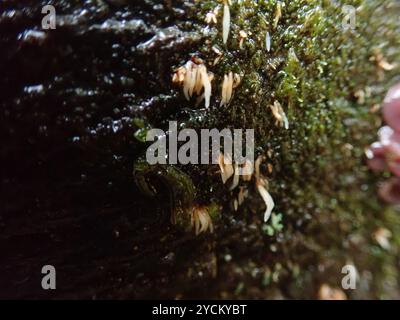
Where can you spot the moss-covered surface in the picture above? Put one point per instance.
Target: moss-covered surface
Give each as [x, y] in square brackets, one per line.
[115, 242]
[323, 190]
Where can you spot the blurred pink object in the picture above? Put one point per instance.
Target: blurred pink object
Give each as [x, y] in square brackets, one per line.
[391, 107]
[390, 190]
[376, 157]
[385, 154]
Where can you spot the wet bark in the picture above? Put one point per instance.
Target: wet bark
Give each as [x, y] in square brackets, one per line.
[68, 100]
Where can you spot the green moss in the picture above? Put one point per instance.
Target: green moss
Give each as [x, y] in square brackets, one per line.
[319, 179]
[214, 211]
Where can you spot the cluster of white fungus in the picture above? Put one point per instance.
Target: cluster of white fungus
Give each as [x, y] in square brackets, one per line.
[228, 169]
[201, 220]
[211, 17]
[230, 82]
[194, 77]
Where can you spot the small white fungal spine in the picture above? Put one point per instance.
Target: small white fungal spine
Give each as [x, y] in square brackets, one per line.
[262, 185]
[269, 202]
[236, 176]
[279, 115]
[225, 165]
[210, 18]
[278, 14]
[205, 79]
[230, 82]
[242, 37]
[201, 220]
[268, 42]
[219, 55]
[226, 22]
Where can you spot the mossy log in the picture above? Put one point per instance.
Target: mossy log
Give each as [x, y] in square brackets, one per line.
[75, 101]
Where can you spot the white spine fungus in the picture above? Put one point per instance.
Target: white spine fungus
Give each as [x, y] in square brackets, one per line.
[226, 23]
[268, 42]
[269, 202]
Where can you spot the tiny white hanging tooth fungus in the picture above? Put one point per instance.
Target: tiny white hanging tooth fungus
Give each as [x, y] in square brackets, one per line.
[226, 23]
[268, 42]
[269, 202]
